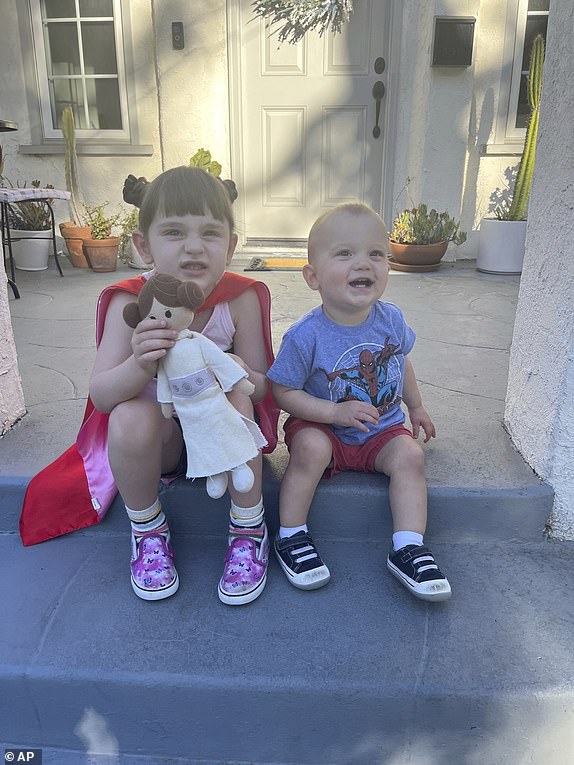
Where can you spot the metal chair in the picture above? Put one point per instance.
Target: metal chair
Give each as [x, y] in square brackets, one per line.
[11, 196]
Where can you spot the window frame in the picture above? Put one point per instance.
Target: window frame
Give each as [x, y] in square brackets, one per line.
[43, 78]
[508, 139]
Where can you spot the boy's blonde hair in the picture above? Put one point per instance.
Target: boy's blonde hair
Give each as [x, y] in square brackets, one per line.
[355, 208]
[185, 191]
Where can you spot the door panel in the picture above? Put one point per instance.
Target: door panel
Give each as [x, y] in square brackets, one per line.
[306, 134]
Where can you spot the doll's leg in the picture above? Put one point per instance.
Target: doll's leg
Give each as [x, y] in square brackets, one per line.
[143, 445]
[248, 539]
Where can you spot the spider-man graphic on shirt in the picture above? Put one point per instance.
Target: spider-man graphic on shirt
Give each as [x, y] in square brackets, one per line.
[367, 372]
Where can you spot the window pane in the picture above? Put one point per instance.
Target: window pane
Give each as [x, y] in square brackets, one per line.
[64, 51]
[535, 25]
[58, 9]
[538, 5]
[99, 47]
[69, 93]
[104, 104]
[96, 8]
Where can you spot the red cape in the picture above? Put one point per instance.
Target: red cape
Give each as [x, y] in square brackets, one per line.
[76, 490]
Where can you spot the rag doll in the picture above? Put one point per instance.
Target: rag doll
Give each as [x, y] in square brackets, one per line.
[192, 378]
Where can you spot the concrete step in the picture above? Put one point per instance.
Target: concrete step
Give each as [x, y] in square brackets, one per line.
[358, 672]
[349, 506]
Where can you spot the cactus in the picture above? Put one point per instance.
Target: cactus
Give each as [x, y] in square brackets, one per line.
[71, 166]
[518, 207]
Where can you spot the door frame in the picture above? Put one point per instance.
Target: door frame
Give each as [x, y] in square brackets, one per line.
[391, 42]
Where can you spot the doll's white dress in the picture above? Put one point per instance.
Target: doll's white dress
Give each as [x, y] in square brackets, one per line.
[194, 375]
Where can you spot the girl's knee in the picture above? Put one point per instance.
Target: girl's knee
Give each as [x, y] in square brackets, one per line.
[135, 421]
[311, 448]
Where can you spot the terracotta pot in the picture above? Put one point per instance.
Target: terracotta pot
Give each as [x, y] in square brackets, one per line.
[102, 254]
[416, 257]
[74, 237]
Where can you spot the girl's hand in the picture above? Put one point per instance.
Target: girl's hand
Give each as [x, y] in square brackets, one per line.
[419, 418]
[239, 361]
[151, 340]
[355, 414]
[244, 386]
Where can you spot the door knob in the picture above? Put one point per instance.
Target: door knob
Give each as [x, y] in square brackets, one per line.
[378, 95]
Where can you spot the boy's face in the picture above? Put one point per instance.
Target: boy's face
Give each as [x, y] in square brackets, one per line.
[348, 264]
[195, 248]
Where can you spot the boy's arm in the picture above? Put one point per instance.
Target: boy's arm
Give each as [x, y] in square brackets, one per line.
[351, 414]
[418, 415]
[126, 359]
[248, 342]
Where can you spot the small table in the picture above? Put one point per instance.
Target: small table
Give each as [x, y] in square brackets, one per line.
[13, 196]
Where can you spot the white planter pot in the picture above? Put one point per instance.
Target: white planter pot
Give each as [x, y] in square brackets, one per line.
[31, 249]
[501, 246]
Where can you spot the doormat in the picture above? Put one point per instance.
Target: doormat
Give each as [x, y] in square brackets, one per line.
[275, 264]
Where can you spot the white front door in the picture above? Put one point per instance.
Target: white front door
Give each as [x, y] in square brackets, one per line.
[303, 121]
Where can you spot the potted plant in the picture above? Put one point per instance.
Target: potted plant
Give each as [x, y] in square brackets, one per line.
[419, 238]
[128, 252]
[502, 238]
[29, 222]
[77, 229]
[101, 248]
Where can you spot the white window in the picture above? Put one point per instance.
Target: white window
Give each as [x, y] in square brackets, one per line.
[80, 63]
[532, 21]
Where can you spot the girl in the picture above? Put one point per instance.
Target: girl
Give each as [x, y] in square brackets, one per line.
[186, 230]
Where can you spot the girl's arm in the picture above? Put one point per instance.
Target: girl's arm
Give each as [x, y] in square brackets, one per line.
[248, 343]
[418, 415]
[126, 359]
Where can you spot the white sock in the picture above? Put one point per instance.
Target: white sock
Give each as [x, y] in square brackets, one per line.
[246, 516]
[148, 519]
[403, 538]
[288, 531]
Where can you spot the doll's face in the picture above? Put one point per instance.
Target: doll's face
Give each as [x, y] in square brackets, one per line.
[177, 317]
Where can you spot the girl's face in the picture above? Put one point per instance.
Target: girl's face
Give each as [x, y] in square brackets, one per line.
[194, 248]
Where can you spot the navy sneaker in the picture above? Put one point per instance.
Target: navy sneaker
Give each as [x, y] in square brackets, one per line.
[299, 559]
[415, 567]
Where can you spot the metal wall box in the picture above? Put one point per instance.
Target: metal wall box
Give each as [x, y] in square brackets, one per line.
[453, 41]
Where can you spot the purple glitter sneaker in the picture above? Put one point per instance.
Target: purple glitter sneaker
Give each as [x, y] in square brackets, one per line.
[153, 572]
[245, 568]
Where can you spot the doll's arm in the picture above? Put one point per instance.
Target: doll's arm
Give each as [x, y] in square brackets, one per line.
[164, 393]
[227, 371]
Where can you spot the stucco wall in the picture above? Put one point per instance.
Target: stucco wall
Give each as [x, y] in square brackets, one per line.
[11, 396]
[447, 115]
[540, 399]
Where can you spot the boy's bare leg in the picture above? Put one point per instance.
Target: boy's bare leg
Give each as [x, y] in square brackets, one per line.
[142, 444]
[414, 566]
[402, 459]
[310, 454]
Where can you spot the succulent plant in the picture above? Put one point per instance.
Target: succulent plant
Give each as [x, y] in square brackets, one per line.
[101, 223]
[420, 225]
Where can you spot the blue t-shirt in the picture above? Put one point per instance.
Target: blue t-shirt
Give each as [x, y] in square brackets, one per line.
[339, 363]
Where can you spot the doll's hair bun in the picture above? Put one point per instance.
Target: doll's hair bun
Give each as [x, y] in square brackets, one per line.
[231, 189]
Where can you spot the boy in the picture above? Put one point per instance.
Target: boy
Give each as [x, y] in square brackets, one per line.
[341, 373]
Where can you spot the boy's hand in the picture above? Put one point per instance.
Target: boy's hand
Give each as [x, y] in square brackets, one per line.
[355, 414]
[419, 418]
[151, 340]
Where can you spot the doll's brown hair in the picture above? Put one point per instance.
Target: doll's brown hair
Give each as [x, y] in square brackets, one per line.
[168, 291]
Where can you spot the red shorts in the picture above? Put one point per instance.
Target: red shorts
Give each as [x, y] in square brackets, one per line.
[346, 457]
